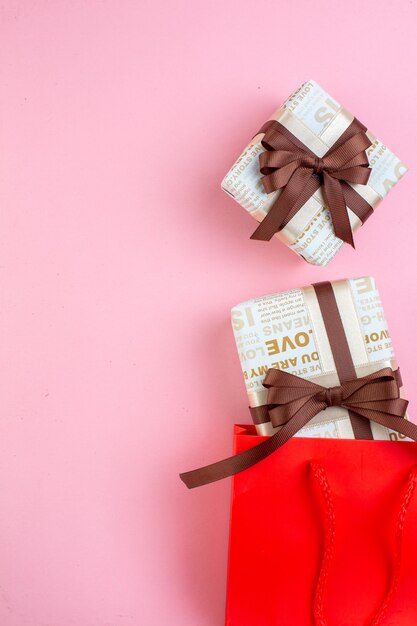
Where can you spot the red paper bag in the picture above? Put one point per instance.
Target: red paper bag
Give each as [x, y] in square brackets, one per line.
[324, 533]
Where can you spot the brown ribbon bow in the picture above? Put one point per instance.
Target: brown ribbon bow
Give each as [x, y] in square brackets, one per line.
[290, 166]
[375, 397]
[294, 401]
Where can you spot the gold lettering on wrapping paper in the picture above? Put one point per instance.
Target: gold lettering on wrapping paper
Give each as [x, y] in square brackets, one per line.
[396, 436]
[375, 152]
[239, 169]
[375, 337]
[279, 327]
[287, 363]
[242, 163]
[276, 346]
[324, 114]
[298, 96]
[399, 170]
[247, 340]
[252, 353]
[312, 223]
[325, 220]
[309, 239]
[311, 234]
[315, 368]
[256, 372]
[253, 384]
[378, 336]
[257, 148]
[240, 318]
[367, 319]
[307, 358]
[364, 284]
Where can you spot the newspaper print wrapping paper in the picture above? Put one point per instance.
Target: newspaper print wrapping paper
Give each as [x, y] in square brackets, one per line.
[286, 331]
[318, 121]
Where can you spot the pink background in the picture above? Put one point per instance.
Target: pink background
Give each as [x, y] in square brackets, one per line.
[120, 259]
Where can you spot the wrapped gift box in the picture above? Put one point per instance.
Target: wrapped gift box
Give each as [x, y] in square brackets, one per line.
[318, 121]
[318, 362]
[286, 331]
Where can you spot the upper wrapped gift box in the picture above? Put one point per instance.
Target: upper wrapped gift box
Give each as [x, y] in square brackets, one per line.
[312, 175]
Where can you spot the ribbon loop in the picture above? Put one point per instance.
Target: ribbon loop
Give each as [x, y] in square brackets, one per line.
[345, 162]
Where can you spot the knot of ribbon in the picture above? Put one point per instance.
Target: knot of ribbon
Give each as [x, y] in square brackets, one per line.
[318, 166]
[288, 165]
[333, 396]
[375, 397]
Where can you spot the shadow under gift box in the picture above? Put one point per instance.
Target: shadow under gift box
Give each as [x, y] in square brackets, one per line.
[324, 532]
[286, 331]
[318, 121]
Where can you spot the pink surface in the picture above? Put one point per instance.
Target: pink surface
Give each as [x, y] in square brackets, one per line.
[120, 259]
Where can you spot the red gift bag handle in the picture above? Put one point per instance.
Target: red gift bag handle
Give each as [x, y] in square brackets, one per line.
[320, 477]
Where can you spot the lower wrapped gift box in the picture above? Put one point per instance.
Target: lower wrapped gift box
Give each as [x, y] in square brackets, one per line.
[324, 532]
[326, 333]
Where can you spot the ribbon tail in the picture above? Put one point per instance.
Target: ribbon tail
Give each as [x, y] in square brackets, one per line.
[336, 203]
[278, 214]
[393, 422]
[242, 461]
[356, 203]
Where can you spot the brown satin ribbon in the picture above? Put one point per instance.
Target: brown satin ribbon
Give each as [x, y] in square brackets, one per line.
[292, 401]
[340, 350]
[290, 166]
[341, 355]
[296, 401]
